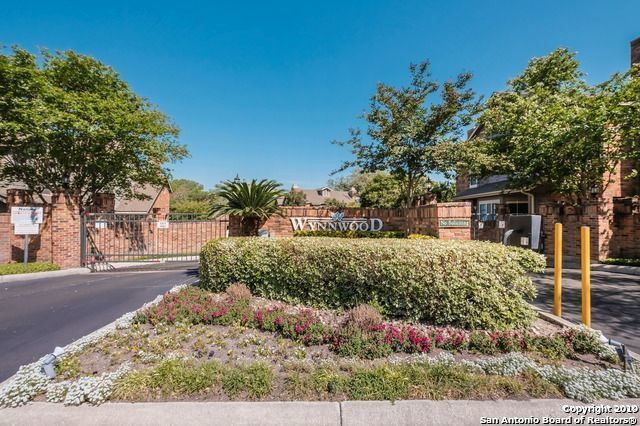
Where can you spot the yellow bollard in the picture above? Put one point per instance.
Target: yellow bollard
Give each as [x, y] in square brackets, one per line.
[585, 255]
[557, 270]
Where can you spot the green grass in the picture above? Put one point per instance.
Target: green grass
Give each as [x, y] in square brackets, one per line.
[21, 268]
[625, 261]
[180, 379]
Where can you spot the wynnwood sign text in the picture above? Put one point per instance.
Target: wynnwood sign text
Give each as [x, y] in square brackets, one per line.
[337, 222]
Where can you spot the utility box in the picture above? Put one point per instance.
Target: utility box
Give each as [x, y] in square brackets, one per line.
[523, 231]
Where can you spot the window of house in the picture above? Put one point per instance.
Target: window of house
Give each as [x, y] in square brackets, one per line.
[487, 209]
[518, 207]
[473, 181]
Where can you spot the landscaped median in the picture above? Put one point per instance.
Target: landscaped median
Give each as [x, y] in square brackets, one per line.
[221, 342]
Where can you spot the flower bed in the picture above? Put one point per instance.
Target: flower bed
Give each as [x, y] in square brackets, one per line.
[196, 345]
[196, 306]
[459, 283]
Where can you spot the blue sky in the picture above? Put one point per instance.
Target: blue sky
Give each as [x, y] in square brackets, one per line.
[261, 88]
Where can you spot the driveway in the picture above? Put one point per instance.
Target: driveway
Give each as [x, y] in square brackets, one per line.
[37, 315]
[615, 302]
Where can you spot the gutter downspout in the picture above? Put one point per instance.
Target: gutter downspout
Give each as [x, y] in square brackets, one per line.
[532, 202]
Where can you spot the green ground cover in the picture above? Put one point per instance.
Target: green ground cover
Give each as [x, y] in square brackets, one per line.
[21, 268]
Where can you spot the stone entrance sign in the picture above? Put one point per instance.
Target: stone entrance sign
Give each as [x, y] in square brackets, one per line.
[336, 222]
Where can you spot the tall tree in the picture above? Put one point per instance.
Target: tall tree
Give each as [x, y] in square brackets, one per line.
[551, 129]
[189, 196]
[294, 198]
[70, 123]
[383, 191]
[410, 134]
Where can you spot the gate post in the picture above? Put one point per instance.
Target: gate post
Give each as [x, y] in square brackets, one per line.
[65, 231]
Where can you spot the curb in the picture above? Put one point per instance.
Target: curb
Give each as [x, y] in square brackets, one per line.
[46, 274]
[619, 269]
[564, 323]
[368, 413]
[599, 267]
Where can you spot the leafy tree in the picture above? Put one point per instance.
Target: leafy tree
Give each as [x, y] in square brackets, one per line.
[189, 196]
[68, 122]
[294, 198]
[444, 191]
[383, 191]
[332, 203]
[253, 202]
[411, 134]
[552, 130]
[356, 179]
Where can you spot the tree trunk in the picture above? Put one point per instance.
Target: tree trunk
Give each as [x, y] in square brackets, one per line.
[250, 226]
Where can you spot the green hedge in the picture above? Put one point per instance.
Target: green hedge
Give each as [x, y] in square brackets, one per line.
[469, 284]
[21, 268]
[351, 234]
[625, 261]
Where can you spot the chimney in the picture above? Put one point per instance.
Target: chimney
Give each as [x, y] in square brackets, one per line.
[635, 51]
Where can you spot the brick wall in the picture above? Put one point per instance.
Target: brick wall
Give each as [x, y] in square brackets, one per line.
[5, 237]
[462, 182]
[65, 229]
[61, 219]
[162, 202]
[418, 220]
[635, 51]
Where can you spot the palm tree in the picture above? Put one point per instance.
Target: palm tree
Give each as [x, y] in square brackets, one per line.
[253, 202]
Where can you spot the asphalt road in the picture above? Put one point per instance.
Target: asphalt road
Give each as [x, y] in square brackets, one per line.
[37, 315]
[615, 302]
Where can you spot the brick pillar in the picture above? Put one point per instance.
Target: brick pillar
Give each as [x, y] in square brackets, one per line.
[5, 238]
[459, 216]
[65, 231]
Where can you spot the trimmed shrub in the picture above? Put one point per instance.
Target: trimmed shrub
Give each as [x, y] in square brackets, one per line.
[351, 234]
[21, 268]
[624, 261]
[468, 284]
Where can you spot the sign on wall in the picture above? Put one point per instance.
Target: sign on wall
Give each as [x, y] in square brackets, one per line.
[337, 222]
[454, 223]
[26, 229]
[163, 224]
[26, 215]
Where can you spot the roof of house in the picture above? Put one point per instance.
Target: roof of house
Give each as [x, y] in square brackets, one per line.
[134, 205]
[319, 196]
[5, 186]
[122, 204]
[493, 188]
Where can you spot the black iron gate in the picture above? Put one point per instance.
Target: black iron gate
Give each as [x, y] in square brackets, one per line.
[114, 237]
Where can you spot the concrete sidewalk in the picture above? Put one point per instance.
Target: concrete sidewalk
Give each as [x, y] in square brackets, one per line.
[369, 413]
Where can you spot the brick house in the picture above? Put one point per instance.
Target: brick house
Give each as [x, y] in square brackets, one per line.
[612, 213]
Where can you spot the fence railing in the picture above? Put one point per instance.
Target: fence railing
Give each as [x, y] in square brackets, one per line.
[112, 237]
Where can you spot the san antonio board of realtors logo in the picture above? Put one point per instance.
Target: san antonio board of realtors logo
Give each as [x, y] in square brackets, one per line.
[337, 222]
